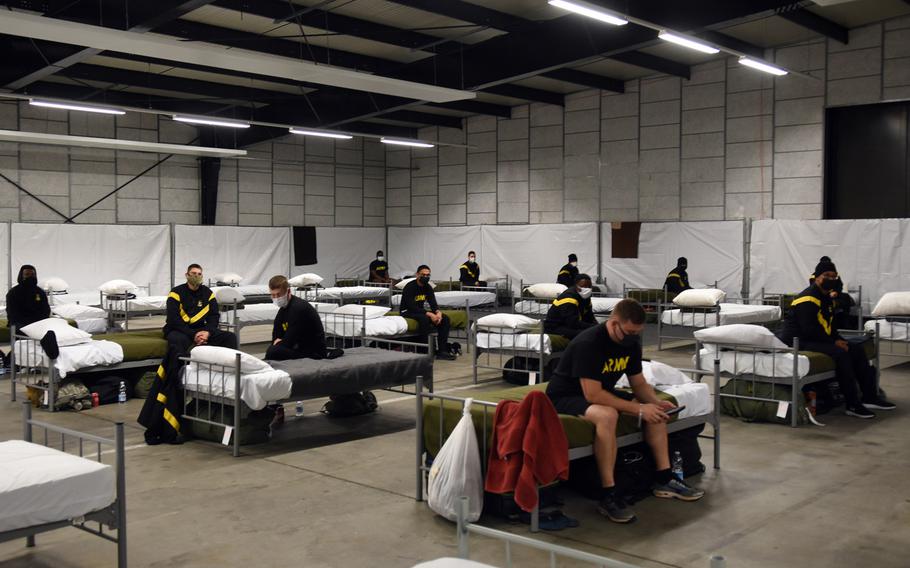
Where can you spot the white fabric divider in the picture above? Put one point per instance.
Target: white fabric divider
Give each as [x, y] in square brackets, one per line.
[344, 251]
[714, 250]
[88, 255]
[873, 253]
[255, 253]
[5, 277]
[443, 249]
[535, 253]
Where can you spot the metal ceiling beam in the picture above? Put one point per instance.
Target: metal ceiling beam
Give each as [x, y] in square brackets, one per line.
[587, 80]
[468, 12]
[654, 63]
[814, 22]
[330, 21]
[724, 40]
[160, 13]
[528, 94]
[477, 107]
[426, 118]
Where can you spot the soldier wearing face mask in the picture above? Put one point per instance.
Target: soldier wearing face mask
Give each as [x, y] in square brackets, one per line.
[26, 303]
[469, 272]
[418, 302]
[192, 315]
[678, 279]
[379, 269]
[297, 332]
[811, 319]
[566, 275]
[571, 312]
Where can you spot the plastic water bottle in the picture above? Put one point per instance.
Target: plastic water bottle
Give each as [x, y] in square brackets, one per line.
[677, 465]
[121, 395]
[298, 410]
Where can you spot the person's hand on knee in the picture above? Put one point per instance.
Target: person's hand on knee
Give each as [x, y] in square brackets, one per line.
[653, 414]
[842, 344]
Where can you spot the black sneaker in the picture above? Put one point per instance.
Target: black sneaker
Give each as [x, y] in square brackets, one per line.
[859, 411]
[879, 404]
[676, 489]
[445, 356]
[615, 509]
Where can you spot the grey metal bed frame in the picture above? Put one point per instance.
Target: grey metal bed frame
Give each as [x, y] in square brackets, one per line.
[574, 453]
[312, 294]
[230, 410]
[794, 381]
[113, 516]
[117, 315]
[705, 313]
[505, 353]
[46, 378]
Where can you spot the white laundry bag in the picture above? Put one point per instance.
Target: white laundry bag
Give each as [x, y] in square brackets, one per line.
[456, 472]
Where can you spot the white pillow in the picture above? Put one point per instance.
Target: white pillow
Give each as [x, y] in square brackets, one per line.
[118, 287]
[892, 304]
[514, 322]
[740, 334]
[227, 295]
[227, 357]
[546, 290]
[77, 311]
[227, 278]
[663, 374]
[358, 310]
[54, 284]
[66, 335]
[401, 284]
[308, 279]
[700, 297]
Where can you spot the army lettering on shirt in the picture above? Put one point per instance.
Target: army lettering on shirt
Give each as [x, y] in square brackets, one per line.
[593, 355]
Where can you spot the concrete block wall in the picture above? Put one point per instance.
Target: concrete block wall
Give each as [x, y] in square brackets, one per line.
[728, 143]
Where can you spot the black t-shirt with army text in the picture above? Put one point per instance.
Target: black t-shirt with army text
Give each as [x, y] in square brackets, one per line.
[593, 355]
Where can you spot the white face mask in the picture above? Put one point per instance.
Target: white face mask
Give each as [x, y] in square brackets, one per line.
[585, 293]
[281, 302]
[380, 258]
[573, 264]
[472, 258]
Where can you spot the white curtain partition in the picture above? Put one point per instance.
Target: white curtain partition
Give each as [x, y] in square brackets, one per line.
[88, 255]
[714, 250]
[344, 251]
[443, 249]
[255, 253]
[873, 253]
[5, 277]
[535, 253]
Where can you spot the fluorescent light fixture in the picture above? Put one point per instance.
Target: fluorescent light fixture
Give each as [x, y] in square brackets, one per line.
[320, 133]
[590, 11]
[686, 42]
[211, 121]
[73, 106]
[762, 66]
[413, 143]
[115, 144]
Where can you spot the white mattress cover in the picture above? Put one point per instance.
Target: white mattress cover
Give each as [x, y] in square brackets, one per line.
[729, 313]
[89, 298]
[519, 341]
[457, 298]
[350, 326]
[41, 485]
[696, 397]
[778, 365]
[600, 305]
[92, 325]
[348, 293]
[256, 389]
[139, 304]
[72, 357]
[892, 331]
[77, 311]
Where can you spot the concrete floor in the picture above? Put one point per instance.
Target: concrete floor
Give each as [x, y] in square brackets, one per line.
[330, 492]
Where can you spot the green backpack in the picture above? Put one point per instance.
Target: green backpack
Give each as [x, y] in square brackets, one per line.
[72, 394]
[759, 410]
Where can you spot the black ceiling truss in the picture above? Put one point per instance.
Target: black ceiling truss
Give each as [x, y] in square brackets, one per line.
[816, 23]
[587, 79]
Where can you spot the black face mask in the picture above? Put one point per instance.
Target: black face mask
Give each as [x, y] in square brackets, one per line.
[30, 281]
[423, 279]
[827, 285]
[630, 341]
[684, 266]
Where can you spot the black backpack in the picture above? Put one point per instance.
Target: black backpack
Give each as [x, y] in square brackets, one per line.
[344, 405]
[108, 388]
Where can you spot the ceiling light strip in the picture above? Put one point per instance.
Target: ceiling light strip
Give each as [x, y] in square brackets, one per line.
[320, 133]
[211, 121]
[585, 9]
[684, 41]
[413, 143]
[73, 106]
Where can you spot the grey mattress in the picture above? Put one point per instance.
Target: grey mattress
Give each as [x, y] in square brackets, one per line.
[359, 369]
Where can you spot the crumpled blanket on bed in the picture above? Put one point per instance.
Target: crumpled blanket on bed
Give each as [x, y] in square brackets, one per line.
[256, 389]
[72, 357]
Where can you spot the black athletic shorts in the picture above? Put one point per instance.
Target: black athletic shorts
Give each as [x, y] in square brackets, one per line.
[573, 405]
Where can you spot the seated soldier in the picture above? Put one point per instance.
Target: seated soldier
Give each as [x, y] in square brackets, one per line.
[25, 302]
[811, 319]
[678, 279]
[584, 385]
[297, 332]
[469, 272]
[418, 302]
[379, 270]
[192, 315]
[842, 301]
[571, 312]
[566, 275]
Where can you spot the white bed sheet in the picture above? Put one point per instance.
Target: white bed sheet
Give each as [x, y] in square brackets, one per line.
[77, 311]
[252, 314]
[348, 293]
[457, 298]
[350, 326]
[891, 331]
[139, 304]
[89, 298]
[696, 397]
[247, 289]
[42, 485]
[779, 365]
[519, 341]
[72, 357]
[729, 314]
[256, 389]
[92, 325]
[600, 305]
